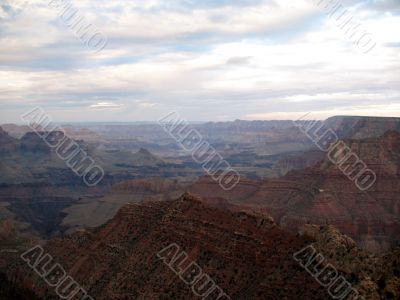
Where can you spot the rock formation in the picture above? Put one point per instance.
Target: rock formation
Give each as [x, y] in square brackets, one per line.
[247, 255]
[324, 195]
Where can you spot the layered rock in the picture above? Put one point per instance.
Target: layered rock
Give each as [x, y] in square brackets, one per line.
[298, 161]
[362, 127]
[324, 195]
[248, 256]
[318, 195]
[374, 276]
[371, 217]
[89, 212]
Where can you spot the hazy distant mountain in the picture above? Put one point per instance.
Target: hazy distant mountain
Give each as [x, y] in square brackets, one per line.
[362, 127]
[36, 185]
[17, 131]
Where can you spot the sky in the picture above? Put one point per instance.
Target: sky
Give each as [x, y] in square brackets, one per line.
[208, 60]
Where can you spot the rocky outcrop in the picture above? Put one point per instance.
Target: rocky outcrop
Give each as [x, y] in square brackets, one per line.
[93, 212]
[32, 142]
[374, 276]
[362, 127]
[318, 195]
[40, 206]
[18, 131]
[248, 256]
[8, 144]
[89, 212]
[41, 141]
[298, 161]
[370, 217]
[324, 195]
[145, 157]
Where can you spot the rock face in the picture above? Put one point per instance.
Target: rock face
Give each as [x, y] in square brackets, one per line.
[93, 212]
[370, 217]
[145, 157]
[18, 131]
[36, 185]
[40, 206]
[31, 142]
[298, 162]
[321, 195]
[318, 195]
[7, 143]
[248, 256]
[89, 212]
[375, 277]
[362, 127]
[324, 195]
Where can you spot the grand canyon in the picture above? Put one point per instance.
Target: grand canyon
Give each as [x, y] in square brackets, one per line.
[289, 195]
[199, 150]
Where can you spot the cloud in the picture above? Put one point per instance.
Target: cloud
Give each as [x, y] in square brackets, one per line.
[206, 59]
[105, 105]
[239, 60]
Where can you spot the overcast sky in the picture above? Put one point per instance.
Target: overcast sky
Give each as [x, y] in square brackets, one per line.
[208, 59]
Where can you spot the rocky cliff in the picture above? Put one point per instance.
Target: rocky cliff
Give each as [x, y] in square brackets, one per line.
[324, 195]
[362, 127]
[248, 256]
[8, 144]
[374, 276]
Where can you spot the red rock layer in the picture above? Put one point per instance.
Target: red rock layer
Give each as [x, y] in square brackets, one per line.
[249, 257]
[324, 195]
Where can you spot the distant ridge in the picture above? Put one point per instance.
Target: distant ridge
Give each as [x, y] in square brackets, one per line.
[362, 127]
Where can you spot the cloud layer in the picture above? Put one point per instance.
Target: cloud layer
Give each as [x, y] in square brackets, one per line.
[208, 60]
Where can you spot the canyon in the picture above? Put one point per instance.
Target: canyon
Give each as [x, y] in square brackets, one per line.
[290, 195]
[246, 254]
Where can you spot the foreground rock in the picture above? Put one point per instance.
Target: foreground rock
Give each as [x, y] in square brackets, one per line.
[248, 256]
